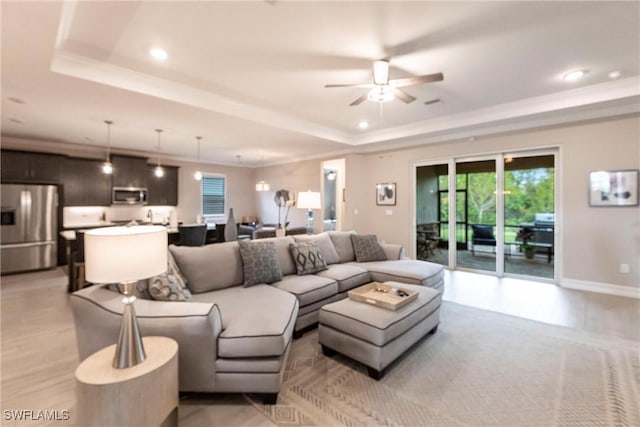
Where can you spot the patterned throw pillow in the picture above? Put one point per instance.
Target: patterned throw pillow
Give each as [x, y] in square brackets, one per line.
[172, 268]
[367, 248]
[308, 258]
[167, 287]
[259, 262]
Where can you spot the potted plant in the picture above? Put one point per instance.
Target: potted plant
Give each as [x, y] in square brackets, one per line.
[283, 199]
[525, 235]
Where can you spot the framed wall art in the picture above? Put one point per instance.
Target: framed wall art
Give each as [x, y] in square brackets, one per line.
[386, 194]
[613, 188]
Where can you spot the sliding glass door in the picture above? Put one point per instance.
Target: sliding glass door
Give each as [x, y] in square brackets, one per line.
[494, 214]
[476, 214]
[529, 215]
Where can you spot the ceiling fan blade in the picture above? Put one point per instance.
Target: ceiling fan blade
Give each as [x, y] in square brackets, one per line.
[416, 80]
[366, 85]
[403, 96]
[359, 100]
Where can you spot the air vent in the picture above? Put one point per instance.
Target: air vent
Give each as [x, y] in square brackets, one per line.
[432, 101]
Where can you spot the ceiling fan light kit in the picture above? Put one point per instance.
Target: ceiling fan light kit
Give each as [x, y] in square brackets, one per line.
[385, 90]
[381, 93]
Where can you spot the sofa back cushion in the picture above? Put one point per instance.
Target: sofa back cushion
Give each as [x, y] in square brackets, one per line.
[287, 266]
[324, 243]
[342, 243]
[209, 267]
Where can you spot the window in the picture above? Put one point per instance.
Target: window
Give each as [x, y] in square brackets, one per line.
[213, 195]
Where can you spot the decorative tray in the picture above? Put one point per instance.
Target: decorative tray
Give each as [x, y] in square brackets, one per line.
[385, 296]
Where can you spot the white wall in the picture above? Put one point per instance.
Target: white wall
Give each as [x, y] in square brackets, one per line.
[595, 240]
[239, 183]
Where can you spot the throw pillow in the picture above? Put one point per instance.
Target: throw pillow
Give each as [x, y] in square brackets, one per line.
[367, 248]
[167, 287]
[259, 262]
[172, 268]
[325, 245]
[308, 258]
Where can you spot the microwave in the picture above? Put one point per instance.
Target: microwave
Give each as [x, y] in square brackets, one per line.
[129, 196]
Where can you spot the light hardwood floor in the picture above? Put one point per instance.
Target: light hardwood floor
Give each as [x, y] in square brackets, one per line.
[39, 353]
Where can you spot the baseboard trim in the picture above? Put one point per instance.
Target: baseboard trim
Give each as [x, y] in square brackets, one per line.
[603, 288]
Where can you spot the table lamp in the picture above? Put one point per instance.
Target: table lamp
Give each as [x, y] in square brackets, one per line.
[309, 200]
[125, 255]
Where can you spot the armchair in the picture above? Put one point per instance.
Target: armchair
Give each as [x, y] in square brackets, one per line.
[482, 234]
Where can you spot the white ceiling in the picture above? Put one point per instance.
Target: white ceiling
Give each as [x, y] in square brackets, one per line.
[249, 76]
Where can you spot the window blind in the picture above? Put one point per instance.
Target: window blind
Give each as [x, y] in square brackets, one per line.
[213, 195]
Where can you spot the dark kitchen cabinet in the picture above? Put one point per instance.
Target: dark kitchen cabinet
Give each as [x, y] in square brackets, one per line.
[130, 171]
[85, 184]
[23, 166]
[163, 191]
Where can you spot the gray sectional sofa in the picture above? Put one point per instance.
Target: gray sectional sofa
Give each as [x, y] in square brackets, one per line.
[234, 338]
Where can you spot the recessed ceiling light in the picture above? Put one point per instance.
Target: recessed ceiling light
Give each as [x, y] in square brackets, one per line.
[614, 75]
[363, 124]
[159, 53]
[572, 76]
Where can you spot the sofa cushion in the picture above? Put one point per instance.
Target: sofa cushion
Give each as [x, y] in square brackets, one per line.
[308, 289]
[307, 257]
[209, 267]
[407, 271]
[342, 243]
[348, 276]
[367, 248]
[259, 262]
[287, 266]
[256, 321]
[324, 243]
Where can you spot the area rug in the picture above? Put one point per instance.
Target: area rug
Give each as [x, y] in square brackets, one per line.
[480, 369]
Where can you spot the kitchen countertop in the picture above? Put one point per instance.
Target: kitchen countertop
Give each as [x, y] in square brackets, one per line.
[70, 234]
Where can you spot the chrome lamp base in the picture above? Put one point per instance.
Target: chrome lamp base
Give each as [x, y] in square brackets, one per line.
[129, 348]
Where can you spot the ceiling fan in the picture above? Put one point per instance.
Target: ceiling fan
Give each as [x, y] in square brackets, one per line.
[383, 89]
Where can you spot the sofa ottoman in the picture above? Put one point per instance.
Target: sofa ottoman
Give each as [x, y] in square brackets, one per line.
[375, 336]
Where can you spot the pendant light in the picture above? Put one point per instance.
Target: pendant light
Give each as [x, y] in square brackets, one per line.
[158, 171]
[198, 175]
[107, 167]
[262, 185]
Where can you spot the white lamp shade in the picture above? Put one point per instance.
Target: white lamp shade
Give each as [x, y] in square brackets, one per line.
[125, 254]
[309, 200]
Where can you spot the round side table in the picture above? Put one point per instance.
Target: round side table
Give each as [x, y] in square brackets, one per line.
[143, 395]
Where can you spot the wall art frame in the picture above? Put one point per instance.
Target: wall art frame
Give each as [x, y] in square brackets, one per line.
[386, 194]
[615, 188]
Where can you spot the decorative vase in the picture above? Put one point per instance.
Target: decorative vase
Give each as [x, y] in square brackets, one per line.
[280, 232]
[230, 229]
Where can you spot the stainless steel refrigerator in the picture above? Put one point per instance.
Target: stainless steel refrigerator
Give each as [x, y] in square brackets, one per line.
[29, 227]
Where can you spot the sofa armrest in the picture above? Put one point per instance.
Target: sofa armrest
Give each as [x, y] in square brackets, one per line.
[393, 251]
[195, 326]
